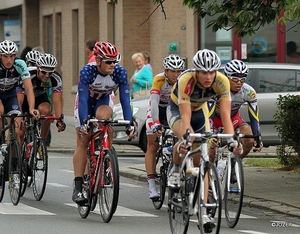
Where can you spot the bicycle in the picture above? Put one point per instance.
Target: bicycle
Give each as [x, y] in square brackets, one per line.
[232, 184]
[103, 178]
[11, 166]
[35, 155]
[191, 198]
[163, 154]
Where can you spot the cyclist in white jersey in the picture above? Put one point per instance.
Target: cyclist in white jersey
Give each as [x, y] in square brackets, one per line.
[156, 113]
[241, 92]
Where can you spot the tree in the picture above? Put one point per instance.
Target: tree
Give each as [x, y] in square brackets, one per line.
[245, 16]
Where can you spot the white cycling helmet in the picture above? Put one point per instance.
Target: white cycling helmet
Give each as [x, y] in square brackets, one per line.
[8, 47]
[206, 60]
[46, 60]
[236, 68]
[173, 62]
[32, 56]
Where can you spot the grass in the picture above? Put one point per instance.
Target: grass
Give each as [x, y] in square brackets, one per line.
[262, 162]
[267, 162]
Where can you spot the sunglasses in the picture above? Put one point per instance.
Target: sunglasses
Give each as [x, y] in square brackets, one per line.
[235, 80]
[109, 62]
[44, 72]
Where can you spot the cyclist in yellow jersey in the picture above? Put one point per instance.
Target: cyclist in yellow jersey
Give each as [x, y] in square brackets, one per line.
[188, 108]
[156, 113]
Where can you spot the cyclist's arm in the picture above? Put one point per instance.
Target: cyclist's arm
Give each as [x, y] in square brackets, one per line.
[253, 111]
[83, 94]
[158, 82]
[186, 116]
[57, 103]
[124, 89]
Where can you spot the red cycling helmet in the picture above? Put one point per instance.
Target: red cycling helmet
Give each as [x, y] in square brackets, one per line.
[105, 50]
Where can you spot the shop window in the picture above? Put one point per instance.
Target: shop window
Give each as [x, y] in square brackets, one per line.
[292, 43]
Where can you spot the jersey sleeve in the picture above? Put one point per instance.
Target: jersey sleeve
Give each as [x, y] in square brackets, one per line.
[158, 82]
[185, 87]
[253, 110]
[56, 82]
[83, 92]
[22, 69]
[221, 86]
[120, 74]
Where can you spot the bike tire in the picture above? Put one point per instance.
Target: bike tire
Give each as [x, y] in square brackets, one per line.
[109, 190]
[2, 181]
[161, 183]
[39, 168]
[233, 198]
[24, 169]
[84, 210]
[178, 210]
[14, 171]
[214, 203]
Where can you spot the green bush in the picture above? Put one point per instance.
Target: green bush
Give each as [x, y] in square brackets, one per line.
[287, 125]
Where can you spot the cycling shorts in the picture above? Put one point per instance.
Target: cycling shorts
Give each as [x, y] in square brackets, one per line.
[38, 100]
[162, 116]
[236, 119]
[10, 101]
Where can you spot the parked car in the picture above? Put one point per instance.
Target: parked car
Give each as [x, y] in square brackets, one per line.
[269, 80]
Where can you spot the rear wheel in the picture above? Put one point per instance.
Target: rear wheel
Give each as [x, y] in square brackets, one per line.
[161, 182]
[234, 194]
[39, 169]
[14, 171]
[109, 186]
[210, 210]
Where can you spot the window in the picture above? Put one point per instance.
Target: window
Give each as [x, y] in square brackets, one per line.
[48, 33]
[75, 43]
[276, 81]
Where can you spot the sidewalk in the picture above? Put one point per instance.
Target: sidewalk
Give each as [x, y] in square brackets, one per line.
[265, 188]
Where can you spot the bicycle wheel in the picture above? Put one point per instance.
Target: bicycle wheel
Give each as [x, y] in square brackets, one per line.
[14, 171]
[210, 210]
[234, 195]
[2, 181]
[39, 168]
[109, 186]
[25, 169]
[178, 209]
[84, 210]
[161, 183]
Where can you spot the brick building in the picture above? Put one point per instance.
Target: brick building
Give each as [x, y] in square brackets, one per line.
[62, 27]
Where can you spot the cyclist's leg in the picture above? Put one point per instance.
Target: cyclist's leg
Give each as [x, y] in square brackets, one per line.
[42, 103]
[104, 111]
[150, 164]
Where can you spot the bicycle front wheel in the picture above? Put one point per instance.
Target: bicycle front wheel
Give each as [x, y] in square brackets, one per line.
[84, 210]
[210, 205]
[109, 186]
[161, 183]
[178, 209]
[14, 171]
[2, 181]
[25, 169]
[39, 169]
[234, 193]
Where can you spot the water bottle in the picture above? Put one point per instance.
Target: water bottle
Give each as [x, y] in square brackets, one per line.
[221, 168]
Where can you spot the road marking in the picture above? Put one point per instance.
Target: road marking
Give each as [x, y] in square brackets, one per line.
[65, 170]
[21, 209]
[131, 185]
[58, 185]
[252, 232]
[121, 211]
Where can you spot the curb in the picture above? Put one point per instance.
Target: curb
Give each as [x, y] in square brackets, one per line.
[280, 207]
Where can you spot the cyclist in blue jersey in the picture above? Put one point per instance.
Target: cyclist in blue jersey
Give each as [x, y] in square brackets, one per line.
[11, 71]
[96, 82]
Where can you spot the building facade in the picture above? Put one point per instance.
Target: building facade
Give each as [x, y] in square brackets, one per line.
[62, 27]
